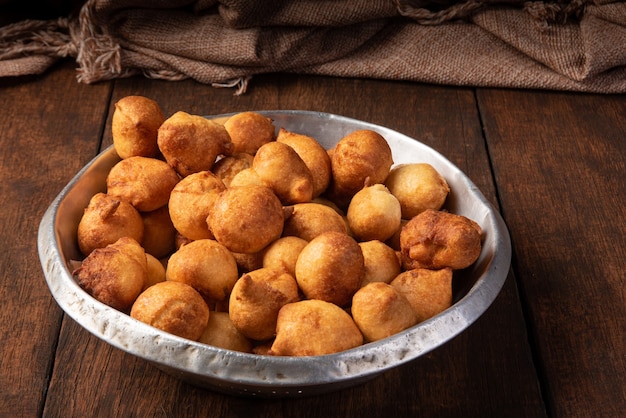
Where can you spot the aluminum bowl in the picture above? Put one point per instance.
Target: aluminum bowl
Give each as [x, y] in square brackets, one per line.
[254, 375]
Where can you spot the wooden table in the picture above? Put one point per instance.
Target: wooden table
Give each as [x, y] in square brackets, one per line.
[552, 344]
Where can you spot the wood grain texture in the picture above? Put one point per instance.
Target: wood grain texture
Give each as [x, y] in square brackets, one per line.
[552, 343]
[563, 198]
[45, 138]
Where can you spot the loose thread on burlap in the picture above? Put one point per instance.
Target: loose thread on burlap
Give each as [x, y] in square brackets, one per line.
[36, 37]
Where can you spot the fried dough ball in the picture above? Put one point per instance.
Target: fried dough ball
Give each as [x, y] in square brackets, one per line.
[156, 271]
[228, 167]
[172, 307]
[394, 241]
[248, 262]
[134, 126]
[249, 131]
[246, 177]
[159, 234]
[192, 200]
[314, 328]
[220, 332]
[382, 264]
[314, 156]
[330, 268]
[418, 187]
[436, 239]
[308, 220]
[374, 213]
[192, 143]
[145, 183]
[361, 158]
[246, 219]
[207, 266]
[282, 169]
[256, 299]
[428, 291]
[105, 220]
[283, 253]
[380, 311]
[115, 274]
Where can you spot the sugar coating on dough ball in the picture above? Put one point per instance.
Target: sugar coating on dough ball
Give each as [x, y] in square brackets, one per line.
[437, 239]
[105, 220]
[191, 143]
[280, 167]
[134, 126]
[374, 214]
[115, 274]
[380, 311]
[382, 263]
[314, 156]
[249, 131]
[308, 220]
[145, 183]
[256, 299]
[191, 201]
[361, 158]
[220, 332]
[207, 266]
[246, 219]
[314, 328]
[418, 186]
[428, 291]
[330, 268]
[172, 307]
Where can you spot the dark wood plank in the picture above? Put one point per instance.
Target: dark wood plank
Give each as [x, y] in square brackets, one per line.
[559, 161]
[486, 371]
[46, 136]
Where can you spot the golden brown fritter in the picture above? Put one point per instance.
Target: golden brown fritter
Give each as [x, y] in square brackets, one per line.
[380, 311]
[282, 169]
[105, 220]
[361, 158]
[382, 263]
[115, 274]
[437, 239]
[330, 268]
[246, 219]
[220, 332]
[428, 291]
[207, 266]
[145, 183]
[159, 234]
[417, 187]
[314, 328]
[192, 200]
[308, 220]
[249, 131]
[374, 214]
[256, 299]
[314, 156]
[172, 307]
[134, 126]
[191, 143]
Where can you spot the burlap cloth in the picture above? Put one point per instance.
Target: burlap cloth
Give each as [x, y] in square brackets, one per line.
[549, 44]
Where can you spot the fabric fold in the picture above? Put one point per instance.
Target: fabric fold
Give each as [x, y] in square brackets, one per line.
[577, 45]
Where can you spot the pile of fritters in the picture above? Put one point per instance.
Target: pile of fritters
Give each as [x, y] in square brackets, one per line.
[253, 238]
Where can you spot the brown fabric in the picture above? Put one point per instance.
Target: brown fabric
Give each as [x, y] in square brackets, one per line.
[577, 45]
